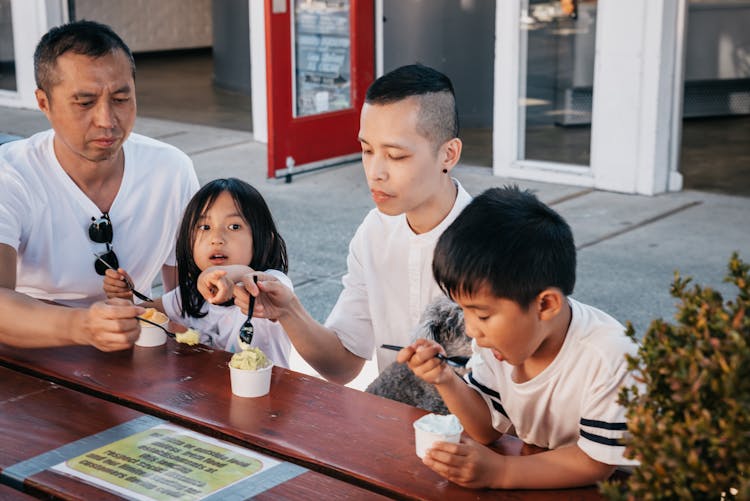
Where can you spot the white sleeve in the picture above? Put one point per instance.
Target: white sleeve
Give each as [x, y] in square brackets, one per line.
[189, 187]
[15, 207]
[482, 378]
[350, 318]
[281, 277]
[170, 303]
[603, 421]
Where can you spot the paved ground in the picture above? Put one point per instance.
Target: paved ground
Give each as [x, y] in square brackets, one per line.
[629, 246]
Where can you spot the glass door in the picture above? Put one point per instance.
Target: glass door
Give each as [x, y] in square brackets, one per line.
[715, 151]
[7, 49]
[556, 89]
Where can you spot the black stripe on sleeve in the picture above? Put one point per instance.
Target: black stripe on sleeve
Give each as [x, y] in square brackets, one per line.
[499, 408]
[616, 442]
[604, 424]
[483, 388]
[491, 393]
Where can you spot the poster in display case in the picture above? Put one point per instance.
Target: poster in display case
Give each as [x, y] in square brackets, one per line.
[322, 74]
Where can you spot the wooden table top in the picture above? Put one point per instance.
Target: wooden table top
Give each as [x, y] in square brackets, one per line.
[37, 416]
[360, 438]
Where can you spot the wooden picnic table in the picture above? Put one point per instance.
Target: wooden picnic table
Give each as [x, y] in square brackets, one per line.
[341, 432]
[38, 416]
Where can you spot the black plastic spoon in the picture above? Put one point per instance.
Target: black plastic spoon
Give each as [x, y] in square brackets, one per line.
[455, 361]
[137, 294]
[170, 334]
[247, 330]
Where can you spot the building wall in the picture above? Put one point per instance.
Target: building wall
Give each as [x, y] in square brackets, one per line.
[231, 45]
[153, 25]
[456, 37]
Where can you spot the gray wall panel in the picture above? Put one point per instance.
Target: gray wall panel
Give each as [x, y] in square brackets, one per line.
[456, 37]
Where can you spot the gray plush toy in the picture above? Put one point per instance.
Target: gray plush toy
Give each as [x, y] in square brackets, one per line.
[442, 321]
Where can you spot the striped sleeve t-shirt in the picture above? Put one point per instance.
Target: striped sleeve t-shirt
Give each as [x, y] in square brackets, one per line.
[574, 399]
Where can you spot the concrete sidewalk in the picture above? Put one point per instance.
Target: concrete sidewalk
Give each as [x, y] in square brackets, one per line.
[629, 245]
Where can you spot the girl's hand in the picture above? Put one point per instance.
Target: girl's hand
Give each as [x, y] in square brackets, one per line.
[469, 463]
[116, 284]
[272, 298]
[420, 356]
[215, 286]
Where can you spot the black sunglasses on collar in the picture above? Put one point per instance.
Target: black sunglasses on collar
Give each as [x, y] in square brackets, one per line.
[100, 231]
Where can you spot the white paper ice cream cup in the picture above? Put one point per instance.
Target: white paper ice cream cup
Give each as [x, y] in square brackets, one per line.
[435, 428]
[152, 335]
[247, 383]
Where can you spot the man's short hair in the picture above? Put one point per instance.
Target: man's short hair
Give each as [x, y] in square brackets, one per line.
[510, 242]
[83, 37]
[438, 116]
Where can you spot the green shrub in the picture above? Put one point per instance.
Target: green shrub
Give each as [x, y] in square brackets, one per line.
[689, 421]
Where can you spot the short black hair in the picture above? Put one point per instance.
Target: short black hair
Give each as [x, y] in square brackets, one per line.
[438, 115]
[506, 239]
[83, 37]
[269, 249]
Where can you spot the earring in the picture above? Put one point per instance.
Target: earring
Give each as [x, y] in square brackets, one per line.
[445, 171]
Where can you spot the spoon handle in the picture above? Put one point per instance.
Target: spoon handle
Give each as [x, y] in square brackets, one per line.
[391, 347]
[140, 296]
[130, 285]
[170, 334]
[456, 361]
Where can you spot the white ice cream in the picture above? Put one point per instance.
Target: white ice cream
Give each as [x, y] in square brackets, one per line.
[435, 423]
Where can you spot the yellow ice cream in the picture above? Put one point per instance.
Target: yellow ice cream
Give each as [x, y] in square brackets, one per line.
[250, 360]
[154, 315]
[189, 337]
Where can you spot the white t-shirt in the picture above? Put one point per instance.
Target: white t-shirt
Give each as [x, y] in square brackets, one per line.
[221, 326]
[574, 399]
[46, 217]
[388, 283]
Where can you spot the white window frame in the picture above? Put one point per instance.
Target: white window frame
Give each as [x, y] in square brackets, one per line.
[637, 100]
[30, 20]
[258, 70]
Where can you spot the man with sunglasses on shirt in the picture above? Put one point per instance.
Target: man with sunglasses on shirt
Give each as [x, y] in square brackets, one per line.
[84, 196]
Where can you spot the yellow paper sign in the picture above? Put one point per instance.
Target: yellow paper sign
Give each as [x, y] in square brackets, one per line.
[165, 463]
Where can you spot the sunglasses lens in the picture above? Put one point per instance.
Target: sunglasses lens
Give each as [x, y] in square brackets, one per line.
[100, 231]
[111, 259]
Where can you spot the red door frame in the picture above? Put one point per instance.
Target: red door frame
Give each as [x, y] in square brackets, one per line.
[314, 138]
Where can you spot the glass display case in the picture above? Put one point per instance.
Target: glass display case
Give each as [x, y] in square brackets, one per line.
[322, 75]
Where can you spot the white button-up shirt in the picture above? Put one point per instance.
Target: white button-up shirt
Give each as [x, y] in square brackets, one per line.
[388, 283]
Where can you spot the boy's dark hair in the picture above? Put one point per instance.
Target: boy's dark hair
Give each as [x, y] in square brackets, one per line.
[269, 249]
[83, 37]
[438, 115]
[509, 241]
